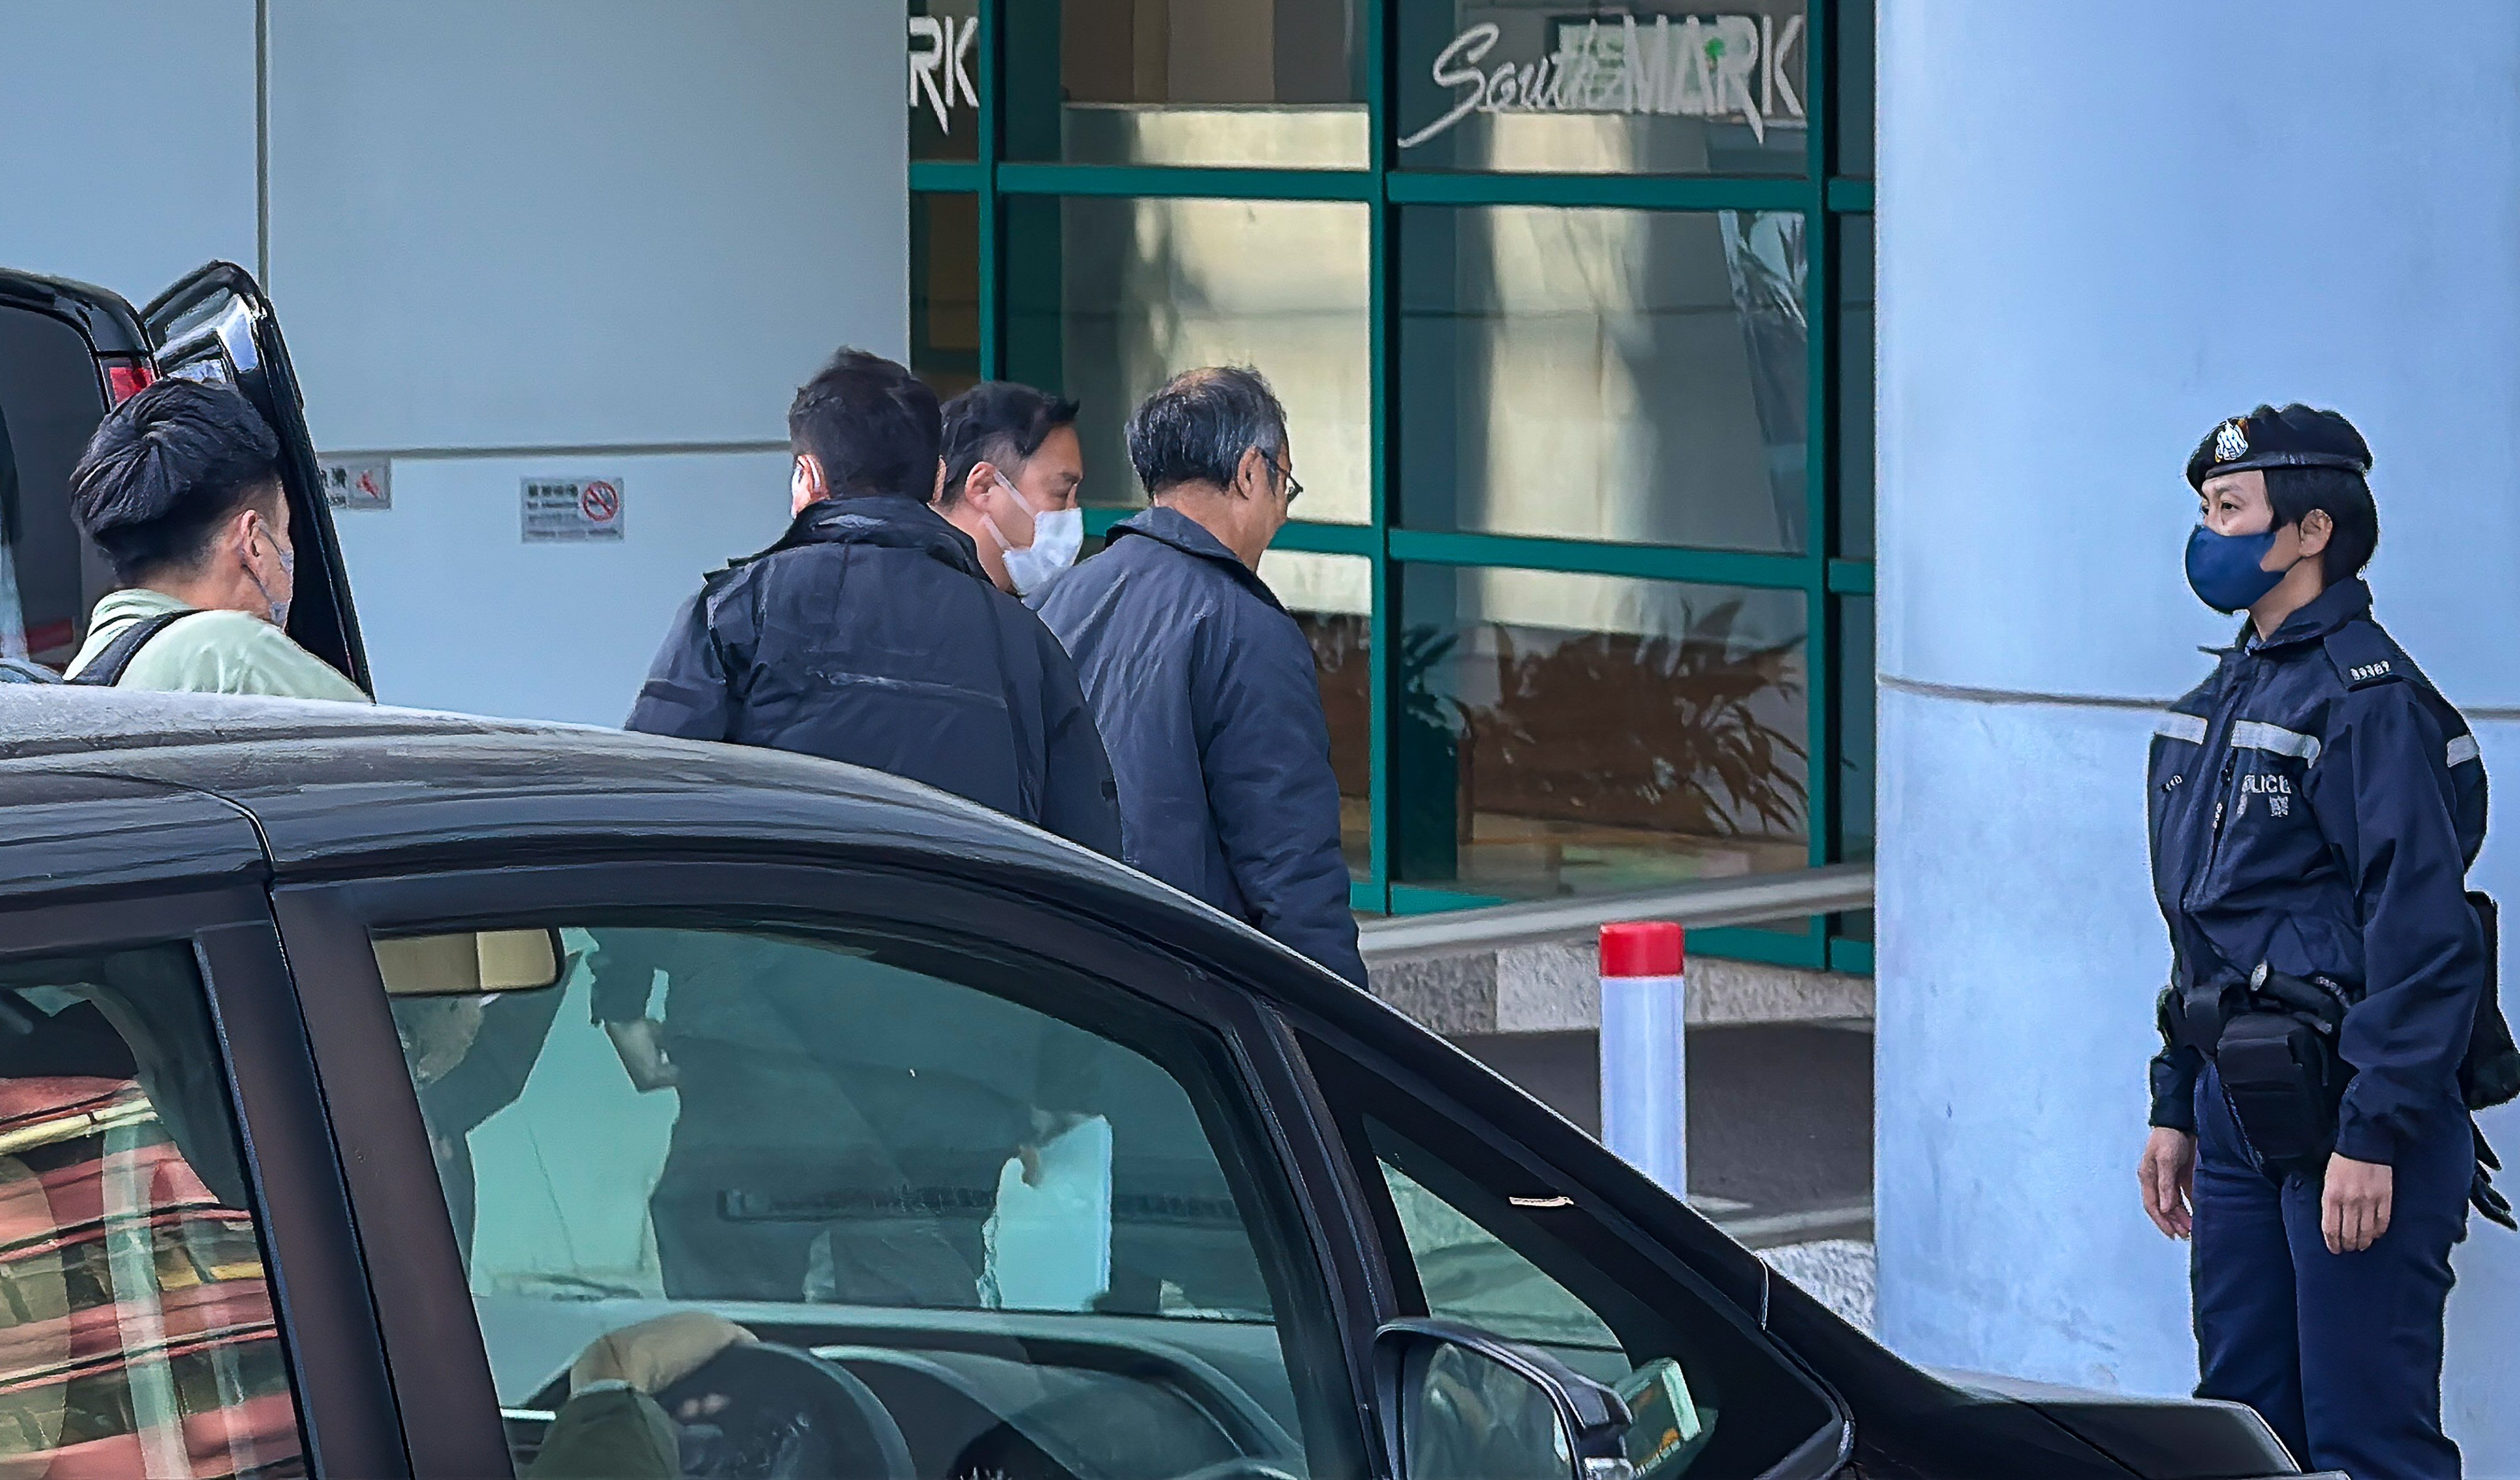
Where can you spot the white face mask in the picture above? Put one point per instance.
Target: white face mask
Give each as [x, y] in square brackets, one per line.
[1056, 537]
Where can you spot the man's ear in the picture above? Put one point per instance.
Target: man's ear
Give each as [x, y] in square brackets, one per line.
[1254, 469]
[806, 483]
[2316, 530]
[982, 477]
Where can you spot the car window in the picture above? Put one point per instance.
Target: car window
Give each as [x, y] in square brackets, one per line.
[1024, 1217]
[50, 402]
[1468, 1273]
[137, 1333]
[1479, 1231]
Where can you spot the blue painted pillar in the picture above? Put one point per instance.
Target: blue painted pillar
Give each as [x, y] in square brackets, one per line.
[2102, 228]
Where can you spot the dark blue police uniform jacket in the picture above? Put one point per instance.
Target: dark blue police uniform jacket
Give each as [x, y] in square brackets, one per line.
[2315, 806]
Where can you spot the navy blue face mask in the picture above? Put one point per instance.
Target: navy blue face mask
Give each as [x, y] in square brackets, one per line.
[2223, 569]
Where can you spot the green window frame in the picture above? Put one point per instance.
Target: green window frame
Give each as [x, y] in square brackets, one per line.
[1830, 579]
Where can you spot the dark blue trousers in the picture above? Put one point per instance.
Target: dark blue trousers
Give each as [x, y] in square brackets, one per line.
[2341, 1353]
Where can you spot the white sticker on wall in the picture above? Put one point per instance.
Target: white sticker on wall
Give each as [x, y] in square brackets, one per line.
[358, 482]
[572, 510]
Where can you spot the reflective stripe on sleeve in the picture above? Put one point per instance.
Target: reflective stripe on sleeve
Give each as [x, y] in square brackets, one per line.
[2258, 735]
[2182, 727]
[2462, 750]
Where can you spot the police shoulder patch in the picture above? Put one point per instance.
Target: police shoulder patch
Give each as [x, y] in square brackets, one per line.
[2362, 655]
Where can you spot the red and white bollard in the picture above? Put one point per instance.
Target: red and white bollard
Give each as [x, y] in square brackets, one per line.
[1644, 1065]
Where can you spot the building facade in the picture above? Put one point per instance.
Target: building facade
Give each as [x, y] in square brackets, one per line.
[2104, 228]
[1571, 309]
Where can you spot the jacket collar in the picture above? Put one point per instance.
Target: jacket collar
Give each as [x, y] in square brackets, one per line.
[1171, 526]
[883, 520]
[2348, 599]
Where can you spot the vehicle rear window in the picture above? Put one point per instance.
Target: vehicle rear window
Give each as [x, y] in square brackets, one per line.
[50, 402]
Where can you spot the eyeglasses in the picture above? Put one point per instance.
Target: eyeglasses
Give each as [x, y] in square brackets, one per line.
[1295, 489]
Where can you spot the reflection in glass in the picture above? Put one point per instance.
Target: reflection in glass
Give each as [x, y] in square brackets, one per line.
[1331, 597]
[944, 79]
[1854, 403]
[1606, 375]
[1148, 289]
[1215, 82]
[1647, 87]
[1472, 1417]
[945, 292]
[1580, 734]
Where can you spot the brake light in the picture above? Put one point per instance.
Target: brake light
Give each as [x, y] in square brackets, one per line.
[125, 379]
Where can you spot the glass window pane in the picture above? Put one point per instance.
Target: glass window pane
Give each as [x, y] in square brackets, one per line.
[1852, 57]
[944, 79]
[1144, 290]
[945, 292]
[1332, 599]
[1582, 734]
[1232, 82]
[1471, 1275]
[1604, 375]
[1648, 87]
[137, 1332]
[1855, 402]
[980, 1182]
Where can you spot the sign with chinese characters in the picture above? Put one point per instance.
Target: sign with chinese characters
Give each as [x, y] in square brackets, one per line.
[940, 66]
[356, 483]
[572, 510]
[1696, 67]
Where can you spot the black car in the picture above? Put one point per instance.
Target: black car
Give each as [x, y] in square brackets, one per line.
[324, 1147]
[70, 350]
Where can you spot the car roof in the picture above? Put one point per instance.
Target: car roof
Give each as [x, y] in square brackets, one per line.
[112, 787]
[105, 789]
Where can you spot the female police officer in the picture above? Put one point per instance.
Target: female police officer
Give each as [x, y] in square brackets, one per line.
[2315, 804]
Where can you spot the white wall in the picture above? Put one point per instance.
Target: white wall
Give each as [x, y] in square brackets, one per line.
[2103, 229]
[586, 237]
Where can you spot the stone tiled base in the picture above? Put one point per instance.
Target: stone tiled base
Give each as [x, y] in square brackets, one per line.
[1842, 1274]
[1555, 987]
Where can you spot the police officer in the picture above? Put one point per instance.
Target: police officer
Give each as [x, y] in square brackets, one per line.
[2315, 804]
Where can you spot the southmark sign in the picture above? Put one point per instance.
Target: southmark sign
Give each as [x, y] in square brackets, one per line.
[1703, 66]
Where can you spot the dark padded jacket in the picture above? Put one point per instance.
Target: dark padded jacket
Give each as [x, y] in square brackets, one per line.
[870, 634]
[1207, 697]
[2315, 806]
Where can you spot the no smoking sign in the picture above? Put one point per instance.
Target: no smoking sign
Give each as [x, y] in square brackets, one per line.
[572, 510]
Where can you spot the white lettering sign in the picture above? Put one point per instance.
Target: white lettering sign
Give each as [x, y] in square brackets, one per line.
[940, 65]
[1705, 66]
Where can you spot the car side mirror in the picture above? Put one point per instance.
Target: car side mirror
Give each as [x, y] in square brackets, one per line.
[470, 962]
[1462, 1404]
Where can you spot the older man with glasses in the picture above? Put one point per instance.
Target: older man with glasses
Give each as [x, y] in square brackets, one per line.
[1203, 686]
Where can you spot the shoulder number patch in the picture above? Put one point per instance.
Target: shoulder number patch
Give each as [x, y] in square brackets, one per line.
[2364, 673]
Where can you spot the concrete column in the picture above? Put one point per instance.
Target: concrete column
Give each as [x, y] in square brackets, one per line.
[2103, 228]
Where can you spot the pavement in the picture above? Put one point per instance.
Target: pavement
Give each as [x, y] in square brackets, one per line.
[1779, 1119]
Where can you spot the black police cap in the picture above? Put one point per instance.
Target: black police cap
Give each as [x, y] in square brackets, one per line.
[2297, 437]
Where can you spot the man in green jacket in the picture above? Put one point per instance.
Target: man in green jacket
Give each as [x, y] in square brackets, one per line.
[179, 489]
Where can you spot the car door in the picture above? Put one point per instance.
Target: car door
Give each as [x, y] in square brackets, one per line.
[1014, 1186]
[180, 1293]
[68, 351]
[1476, 1227]
[217, 325]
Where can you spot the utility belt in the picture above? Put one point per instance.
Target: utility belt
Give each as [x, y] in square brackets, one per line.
[2273, 1039]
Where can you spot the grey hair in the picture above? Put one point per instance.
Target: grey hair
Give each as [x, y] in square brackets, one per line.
[1197, 427]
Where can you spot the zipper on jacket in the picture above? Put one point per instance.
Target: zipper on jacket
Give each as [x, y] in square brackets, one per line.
[2229, 715]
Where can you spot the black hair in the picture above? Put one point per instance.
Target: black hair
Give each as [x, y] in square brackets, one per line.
[873, 426]
[165, 469]
[1001, 423]
[2293, 492]
[1197, 427]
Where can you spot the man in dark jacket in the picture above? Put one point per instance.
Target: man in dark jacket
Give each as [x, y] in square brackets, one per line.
[870, 634]
[2315, 806]
[1203, 685]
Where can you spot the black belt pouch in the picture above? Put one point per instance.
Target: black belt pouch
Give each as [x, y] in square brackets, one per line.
[2284, 1084]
